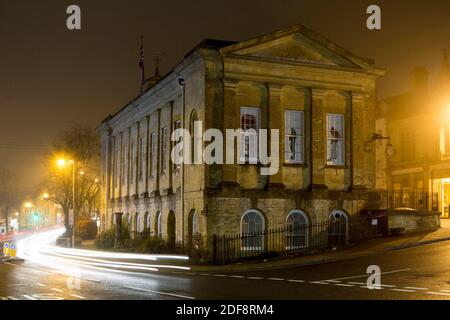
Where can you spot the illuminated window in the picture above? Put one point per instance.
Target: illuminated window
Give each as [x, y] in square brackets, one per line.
[293, 136]
[250, 124]
[335, 139]
[407, 146]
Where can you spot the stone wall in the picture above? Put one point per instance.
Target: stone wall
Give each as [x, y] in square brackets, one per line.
[413, 222]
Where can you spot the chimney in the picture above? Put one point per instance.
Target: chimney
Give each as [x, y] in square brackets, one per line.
[419, 79]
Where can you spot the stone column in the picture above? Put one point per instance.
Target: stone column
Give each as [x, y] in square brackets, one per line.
[319, 140]
[158, 153]
[357, 141]
[147, 156]
[275, 119]
[118, 217]
[230, 121]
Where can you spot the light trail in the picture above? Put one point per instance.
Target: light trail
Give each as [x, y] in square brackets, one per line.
[41, 249]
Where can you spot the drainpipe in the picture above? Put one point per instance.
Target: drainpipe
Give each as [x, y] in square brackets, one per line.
[183, 106]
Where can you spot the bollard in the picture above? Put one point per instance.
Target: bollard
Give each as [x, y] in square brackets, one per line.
[6, 249]
[13, 250]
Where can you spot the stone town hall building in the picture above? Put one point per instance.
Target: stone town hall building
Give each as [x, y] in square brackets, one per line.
[320, 96]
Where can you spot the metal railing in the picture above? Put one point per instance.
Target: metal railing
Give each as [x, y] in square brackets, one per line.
[410, 200]
[285, 240]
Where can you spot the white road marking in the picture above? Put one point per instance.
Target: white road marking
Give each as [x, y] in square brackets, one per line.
[12, 298]
[445, 290]
[220, 275]
[344, 285]
[438, 293]
[162, 293]
[40, 284]
[77, 296]
[298, 281]
[276, 279]
[403, 290]
[366, 275]
[358, 283]
[238, 277]
[388, 285]
[334, 281]
[205, 274]
[255, 278]
[28, 297]
[57, 290]
[416, 288]
[319, 282]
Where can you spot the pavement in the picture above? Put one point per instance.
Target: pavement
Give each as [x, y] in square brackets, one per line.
[367, 248]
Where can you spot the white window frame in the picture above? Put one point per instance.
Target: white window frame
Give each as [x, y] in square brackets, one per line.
[306, 235]
[246, 136]
[154, 154]
[299, 135]
[141, 158]
[246, 248]
[159, 232]
[164, 136]
[330, 139]
[333, 216]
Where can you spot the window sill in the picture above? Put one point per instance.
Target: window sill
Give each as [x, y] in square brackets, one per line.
[294, 164]
[336, 166]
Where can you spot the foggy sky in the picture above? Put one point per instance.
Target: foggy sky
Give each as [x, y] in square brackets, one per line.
[51, 77]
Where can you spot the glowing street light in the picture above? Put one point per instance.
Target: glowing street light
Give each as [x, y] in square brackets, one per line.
[28, 205]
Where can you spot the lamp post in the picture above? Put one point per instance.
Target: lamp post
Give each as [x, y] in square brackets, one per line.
[63, 163]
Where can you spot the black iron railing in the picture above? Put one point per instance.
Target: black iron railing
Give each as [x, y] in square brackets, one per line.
[410, 200]
[285, 240]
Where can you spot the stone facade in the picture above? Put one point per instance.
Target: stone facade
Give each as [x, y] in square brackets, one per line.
[291, 69]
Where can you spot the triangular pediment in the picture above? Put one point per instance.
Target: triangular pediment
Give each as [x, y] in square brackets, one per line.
[301, 45]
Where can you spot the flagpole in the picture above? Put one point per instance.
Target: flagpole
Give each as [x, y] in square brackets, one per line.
[141, 64]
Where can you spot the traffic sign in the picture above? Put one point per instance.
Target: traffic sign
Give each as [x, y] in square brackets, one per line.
[13, 250]
[6, 249]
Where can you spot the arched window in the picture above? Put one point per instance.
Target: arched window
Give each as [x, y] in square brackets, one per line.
[297, 230]
[252, 228]
[146, 220]
[137, 226]
[171, 227]
[194, 228]
[158, 225]
[338, 229]
[192, 121]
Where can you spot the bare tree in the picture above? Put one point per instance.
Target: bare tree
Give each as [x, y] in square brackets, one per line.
[9, 195]
[82, 145]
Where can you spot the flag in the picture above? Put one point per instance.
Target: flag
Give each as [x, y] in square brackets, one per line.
[141, 64]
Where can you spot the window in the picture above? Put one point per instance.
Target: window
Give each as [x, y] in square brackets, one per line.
[338, 228]
[177, 126]
[335, 139]
[445, 142]
[195, 140]
[154, 157]
[293, 136]
[250, 124]
[137, 222]
[252, 227]
[297, 233]
[408, 146]
[132, 160]
[142, 157]
[158, 226]
[163, 149]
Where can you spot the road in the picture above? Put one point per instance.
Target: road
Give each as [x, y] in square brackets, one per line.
[53, 273]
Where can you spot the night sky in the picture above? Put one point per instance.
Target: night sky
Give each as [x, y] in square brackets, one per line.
[51, 77]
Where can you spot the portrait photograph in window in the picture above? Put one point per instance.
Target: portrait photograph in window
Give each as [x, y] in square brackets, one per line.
[250, 123]
[293, 136]
[335, 139]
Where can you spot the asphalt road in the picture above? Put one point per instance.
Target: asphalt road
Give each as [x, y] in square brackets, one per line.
[416, 273]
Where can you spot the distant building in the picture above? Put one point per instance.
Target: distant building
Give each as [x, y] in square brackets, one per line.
[418, 124]
[320, 96]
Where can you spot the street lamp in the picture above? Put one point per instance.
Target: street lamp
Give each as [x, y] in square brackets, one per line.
[63, 163]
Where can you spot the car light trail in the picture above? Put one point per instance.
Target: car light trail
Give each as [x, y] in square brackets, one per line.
[39, 248]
